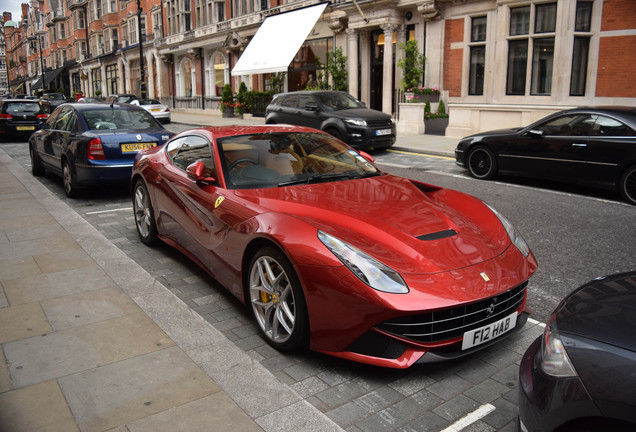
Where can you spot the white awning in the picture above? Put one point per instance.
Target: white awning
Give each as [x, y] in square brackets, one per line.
[277, 41]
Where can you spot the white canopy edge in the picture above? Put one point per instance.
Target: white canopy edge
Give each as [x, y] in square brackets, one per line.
[277, 41]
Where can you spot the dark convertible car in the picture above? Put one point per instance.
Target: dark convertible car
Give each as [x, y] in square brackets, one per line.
[593, 146]
[580, 376]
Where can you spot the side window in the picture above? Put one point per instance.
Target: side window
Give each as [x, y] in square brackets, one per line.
[606, 126]
[193, 149]
[64, 119]
[290, 101]
[173, 148]
[568, 125]
[303, 100]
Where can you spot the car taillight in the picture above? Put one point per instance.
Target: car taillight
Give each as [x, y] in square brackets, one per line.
[6, 116]
[167, 109]
[95, 149]
[42, 116]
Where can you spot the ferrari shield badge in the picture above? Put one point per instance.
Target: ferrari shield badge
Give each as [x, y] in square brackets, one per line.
[218, 202]
[484, 276]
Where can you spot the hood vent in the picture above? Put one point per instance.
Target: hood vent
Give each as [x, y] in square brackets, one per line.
[438, 235]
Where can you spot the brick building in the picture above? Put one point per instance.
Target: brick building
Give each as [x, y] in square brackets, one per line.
[498, 62]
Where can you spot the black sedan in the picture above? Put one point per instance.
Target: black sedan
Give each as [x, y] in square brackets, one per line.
[336, 113]
[592, 146]
[93, 143]
[581, 374]
[19, 118]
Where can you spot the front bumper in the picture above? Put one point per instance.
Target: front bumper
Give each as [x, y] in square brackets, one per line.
[547, 402]
[367, 137]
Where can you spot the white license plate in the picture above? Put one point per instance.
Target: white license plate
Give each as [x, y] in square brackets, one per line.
[489, 332]
[383, 132]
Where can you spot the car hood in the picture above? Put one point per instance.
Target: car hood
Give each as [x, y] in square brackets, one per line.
[411, 227]
[511, 131]
[360, 113]
[603, 310]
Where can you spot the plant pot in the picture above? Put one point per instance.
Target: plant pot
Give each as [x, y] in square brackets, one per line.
[436, 126]
[229, 112]
[421, 98]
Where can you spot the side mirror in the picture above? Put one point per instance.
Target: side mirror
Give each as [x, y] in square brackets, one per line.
[535, 133]
[197, 172]
[367, 156]
[311, 106]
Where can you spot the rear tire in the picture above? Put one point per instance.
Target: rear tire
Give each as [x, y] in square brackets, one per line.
[481, 163]
[627, 185]
[70, 184]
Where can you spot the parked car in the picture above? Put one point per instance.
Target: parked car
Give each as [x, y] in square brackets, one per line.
[592, 146]
[336, 113]
[91, 99]
[50, 101]
[330, 252]
[19, 118]
[580, 375]
[158, 110]
[90, 144]
[121, 98]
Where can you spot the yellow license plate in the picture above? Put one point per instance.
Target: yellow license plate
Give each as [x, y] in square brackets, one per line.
[135, 147]
[155, 109]
[22, 128]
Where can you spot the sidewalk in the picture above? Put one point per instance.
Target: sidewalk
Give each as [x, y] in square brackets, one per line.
[90, 341]
[428, 144]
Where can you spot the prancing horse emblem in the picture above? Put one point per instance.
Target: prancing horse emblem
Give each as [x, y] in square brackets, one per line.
[484, 276]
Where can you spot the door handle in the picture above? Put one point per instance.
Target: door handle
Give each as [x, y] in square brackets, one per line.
[579, 145]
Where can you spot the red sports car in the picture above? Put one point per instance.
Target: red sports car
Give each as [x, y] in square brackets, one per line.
[328, 251]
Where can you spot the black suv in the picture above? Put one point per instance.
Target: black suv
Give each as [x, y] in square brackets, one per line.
[50, 101]
[19, 118]
[336, 113]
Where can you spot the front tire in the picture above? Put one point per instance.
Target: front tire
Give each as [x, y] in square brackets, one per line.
[627, 185]
[144, 214]
[481, 163]
[277, 301]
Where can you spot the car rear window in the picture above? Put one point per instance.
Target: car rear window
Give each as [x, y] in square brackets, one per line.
[56, 96]
[14, 107]
[108, 119]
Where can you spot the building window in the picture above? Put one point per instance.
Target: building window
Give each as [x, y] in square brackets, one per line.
[540, 43]
[132, 26]
[96, 78]
[477, 56]
[219, 74]
[111, 79]
[580, 52]
[220, 12]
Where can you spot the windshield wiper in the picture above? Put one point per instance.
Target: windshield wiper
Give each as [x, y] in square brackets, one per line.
[316, 178]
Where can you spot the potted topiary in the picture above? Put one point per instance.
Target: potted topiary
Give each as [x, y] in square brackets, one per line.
[412, 66]
[239, 106]
[227, 101]
[436, 123]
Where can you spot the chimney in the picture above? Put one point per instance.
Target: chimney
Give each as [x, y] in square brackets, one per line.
[25, 11]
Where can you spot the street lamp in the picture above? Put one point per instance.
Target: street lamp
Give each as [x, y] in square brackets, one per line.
[41, 61]
[142, 86]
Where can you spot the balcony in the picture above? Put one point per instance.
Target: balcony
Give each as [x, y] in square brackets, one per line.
[76, 4]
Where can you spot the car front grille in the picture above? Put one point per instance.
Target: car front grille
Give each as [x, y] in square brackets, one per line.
[379, 123]
[451, 323]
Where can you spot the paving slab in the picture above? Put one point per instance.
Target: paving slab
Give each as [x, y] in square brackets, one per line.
[22, 321]
[40, 408]
[82, 348]
[120, 393]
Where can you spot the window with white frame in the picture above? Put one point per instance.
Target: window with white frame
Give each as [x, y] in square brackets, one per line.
[132, 33]
[157, 25]
[220, 11]
[581, 49]
[477, 55]
[62, 30]
[97, 9]
[531, 39]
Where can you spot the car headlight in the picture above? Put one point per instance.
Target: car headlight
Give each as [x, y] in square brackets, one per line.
[356, 122]
[515, 236]
[554, 360]
[366, 268]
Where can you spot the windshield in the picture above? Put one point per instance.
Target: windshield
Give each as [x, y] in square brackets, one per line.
[112, 118]
[284, 159]
[335, 101]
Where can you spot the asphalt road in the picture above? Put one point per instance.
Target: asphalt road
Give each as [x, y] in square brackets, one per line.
[576, 235]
